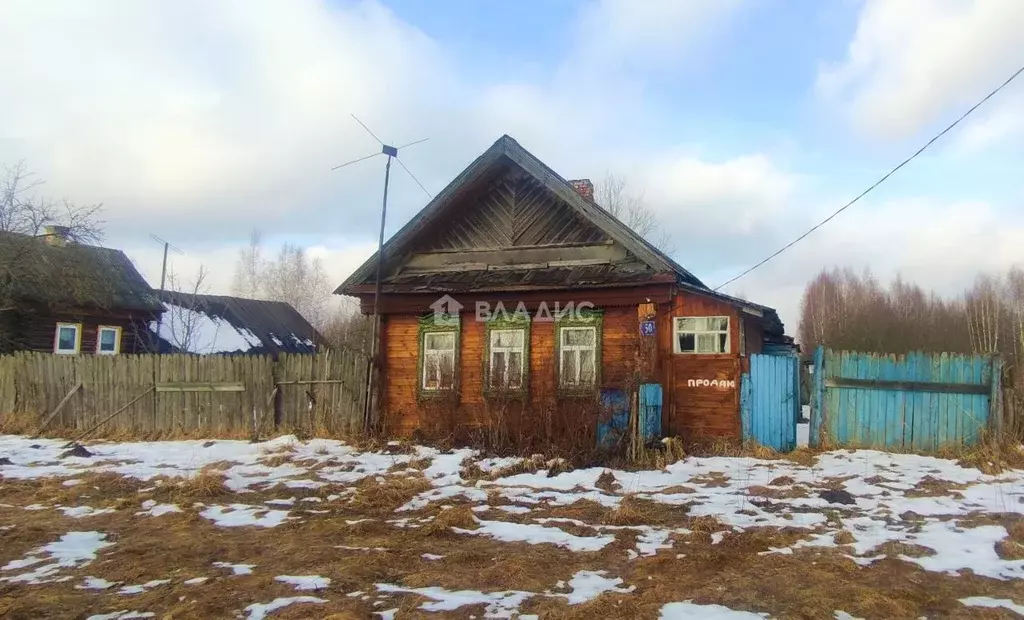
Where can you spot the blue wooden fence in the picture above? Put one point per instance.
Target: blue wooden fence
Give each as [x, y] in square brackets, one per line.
[770, 401]
[912, 402]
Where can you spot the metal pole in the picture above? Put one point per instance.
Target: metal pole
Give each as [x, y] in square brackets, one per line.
[160, 317]
[374, 365]
[163, 269]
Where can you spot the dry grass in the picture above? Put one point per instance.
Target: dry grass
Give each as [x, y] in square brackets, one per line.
[205, 485]
[991, 455]
[276, 460]
[777, 493]
[607, 482]
[375, 495]
[895, 549]
[843, 537]
[1008, 549]
[633, 510]
[711, 479]
[459, 516]
[930, 486]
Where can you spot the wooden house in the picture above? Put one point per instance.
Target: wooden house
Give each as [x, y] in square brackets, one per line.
[67, 298]
[510, 234]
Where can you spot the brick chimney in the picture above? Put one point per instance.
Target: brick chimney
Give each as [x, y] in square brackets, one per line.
[583, 187]
[56, 235]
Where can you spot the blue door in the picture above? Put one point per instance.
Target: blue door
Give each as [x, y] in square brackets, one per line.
[770, 401]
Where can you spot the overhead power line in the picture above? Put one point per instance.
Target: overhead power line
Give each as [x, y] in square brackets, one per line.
[879, 181]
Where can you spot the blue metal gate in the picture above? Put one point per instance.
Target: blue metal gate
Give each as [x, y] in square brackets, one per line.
[770, 401]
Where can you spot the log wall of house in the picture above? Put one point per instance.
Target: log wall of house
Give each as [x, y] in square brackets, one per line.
[38, 329]
[405, 411]
[691, 411]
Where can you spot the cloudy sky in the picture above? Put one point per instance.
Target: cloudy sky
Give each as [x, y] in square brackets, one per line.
[742, 122]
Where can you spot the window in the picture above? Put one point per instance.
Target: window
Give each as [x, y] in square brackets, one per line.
[507, 355]
[67, 339]
[108, 340]
[577, 366]
[439, 360]
[703, 334]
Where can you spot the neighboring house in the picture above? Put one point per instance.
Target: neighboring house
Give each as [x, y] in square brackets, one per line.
[62, 297]
[508, 229]
[207, 324]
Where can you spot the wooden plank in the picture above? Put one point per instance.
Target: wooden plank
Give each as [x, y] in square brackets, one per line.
[907, 386]
[53, 414]
[231, 386]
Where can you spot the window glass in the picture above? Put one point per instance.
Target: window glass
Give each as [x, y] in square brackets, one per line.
[705, 335]
[108, 340]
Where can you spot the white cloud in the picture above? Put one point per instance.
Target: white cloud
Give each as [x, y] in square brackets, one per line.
[732, 197]
[912, 62]
[214, 110]
[617, 34]
[940, 245]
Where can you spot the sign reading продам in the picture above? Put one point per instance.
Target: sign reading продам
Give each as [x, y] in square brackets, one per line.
[716, 383]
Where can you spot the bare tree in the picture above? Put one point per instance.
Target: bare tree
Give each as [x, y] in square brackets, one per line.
[302, 282]
[291, 276]
[24, 211]
[613, 194]
[184, 325]
[347, 327]
[249, 269]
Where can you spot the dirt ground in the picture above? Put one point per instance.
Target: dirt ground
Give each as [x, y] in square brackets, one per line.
[407, 542]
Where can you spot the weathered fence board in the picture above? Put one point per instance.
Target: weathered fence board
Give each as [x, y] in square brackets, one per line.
[917, 401]
[186, 394]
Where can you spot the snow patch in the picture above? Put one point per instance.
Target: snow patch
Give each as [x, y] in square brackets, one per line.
[241, 515]
[73, 550]
[259, 611]
[537, 535]
[691, 611]
[142, 587]
[305, 582]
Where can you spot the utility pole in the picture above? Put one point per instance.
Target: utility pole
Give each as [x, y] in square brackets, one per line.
[374, 375]
[163, 280]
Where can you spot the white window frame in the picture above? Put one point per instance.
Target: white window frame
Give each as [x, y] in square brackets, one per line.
[677, 330]
[78, 339]
[99, 339]
[493, 348]
[438, 353]
[576, 349]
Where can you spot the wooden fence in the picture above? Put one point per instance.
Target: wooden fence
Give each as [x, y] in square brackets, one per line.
[161, 395]
[916, 401]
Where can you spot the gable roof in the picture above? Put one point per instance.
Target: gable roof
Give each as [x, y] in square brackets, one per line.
[72, 275]
[236, 325]
[507, 149]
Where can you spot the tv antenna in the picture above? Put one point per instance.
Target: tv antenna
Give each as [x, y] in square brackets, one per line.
[392, 154]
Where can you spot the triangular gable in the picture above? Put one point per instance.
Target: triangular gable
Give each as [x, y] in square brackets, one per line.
[489, 167]
[512, 210]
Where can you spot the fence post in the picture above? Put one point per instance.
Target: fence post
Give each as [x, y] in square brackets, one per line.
[817, 398]
[995, 401]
